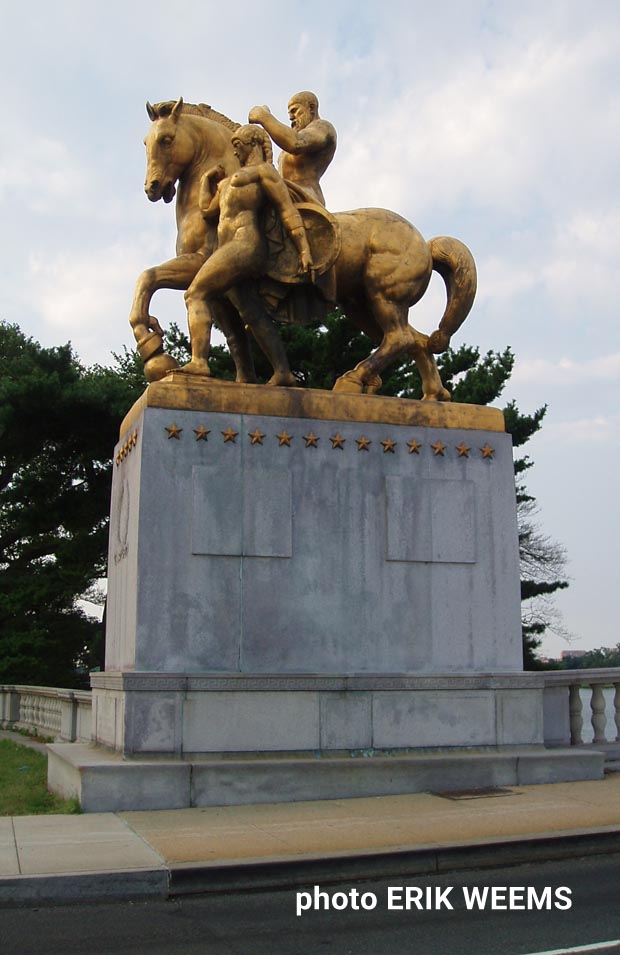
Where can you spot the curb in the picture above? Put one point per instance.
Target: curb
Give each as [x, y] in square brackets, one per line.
[174, 881]
[76, 888]
[187, 879]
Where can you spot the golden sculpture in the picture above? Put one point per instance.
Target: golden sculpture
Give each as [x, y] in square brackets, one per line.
[241, 272]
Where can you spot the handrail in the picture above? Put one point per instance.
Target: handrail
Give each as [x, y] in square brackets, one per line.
[64, 714]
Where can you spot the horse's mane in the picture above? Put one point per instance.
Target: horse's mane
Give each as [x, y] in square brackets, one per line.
[197, 109]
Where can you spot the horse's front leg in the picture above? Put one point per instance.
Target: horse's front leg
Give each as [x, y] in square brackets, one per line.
[177, 273]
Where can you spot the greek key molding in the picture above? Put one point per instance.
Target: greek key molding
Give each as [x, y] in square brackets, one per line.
[238, 683]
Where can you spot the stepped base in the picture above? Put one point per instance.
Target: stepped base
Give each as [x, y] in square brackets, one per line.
[104, 781]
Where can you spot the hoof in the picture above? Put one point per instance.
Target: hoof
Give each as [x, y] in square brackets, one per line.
[287, 380]
[443, 395]
[159, 366]
[350, 384]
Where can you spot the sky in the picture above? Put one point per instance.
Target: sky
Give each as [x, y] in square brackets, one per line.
[493, 121]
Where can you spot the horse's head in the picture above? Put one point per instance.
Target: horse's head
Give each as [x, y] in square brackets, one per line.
[169, 149]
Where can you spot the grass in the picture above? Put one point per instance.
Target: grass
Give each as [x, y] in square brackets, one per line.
[23, 783]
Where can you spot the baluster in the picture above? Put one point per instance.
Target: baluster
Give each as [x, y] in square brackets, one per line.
[576, 720]
[599, 717]
[617, 710]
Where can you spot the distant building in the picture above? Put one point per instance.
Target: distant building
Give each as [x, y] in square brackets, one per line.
[572, 654]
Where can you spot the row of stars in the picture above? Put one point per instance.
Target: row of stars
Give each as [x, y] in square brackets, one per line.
[337, 440]
[126, 447]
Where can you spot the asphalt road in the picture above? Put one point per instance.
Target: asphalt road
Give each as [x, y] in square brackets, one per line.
[266, 923]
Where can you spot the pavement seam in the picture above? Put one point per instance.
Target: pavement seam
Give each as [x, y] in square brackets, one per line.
[162, 859]
[19, 864]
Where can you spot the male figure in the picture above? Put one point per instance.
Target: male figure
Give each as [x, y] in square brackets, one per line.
[308, 146]
[242, 253]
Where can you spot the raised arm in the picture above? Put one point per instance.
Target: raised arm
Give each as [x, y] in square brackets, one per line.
[309, 139]
[209, 197]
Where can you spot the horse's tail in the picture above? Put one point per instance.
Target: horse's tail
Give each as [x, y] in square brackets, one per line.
[455, 263]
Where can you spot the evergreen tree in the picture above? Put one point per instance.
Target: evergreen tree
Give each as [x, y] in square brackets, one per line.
[58, 424]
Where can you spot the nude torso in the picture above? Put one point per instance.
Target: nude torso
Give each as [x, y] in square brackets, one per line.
[239, 207]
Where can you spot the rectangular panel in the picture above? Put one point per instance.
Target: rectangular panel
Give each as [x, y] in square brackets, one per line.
[217, 509]
[235, 515]
[431, 521]
[267, 514]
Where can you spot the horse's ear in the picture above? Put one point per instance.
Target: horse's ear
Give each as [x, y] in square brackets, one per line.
[151, 112]
[176, 109]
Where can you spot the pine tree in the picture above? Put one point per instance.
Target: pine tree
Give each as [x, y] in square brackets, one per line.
[58, 424]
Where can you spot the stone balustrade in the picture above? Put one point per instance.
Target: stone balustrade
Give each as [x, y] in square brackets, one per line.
[65, 715]
[566, 717]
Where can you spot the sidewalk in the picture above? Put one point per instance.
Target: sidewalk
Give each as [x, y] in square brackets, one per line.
[160, 854]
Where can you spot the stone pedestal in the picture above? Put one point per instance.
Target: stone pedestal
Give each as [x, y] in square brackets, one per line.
[309, 576]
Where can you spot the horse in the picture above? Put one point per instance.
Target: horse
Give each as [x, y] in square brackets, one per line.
[184, 140]
[383, 266]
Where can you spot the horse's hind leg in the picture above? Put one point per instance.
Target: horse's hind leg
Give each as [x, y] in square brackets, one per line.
[432, 386]
[392, 319]
[398, 338]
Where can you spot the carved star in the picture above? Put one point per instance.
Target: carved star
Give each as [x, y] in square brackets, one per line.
[133, 440]
[414, 446]
[487, 451]
[229, 435]
[201, 433]
[463, 450]
[174, 431]
[338, 441]
[311, 440]
[256, 436]
[284, 438]
[388, 445]
[363, 444]
[438, 448]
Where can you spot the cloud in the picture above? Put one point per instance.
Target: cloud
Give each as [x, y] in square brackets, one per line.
[495, 127]
[85, 295]
[567, 371]
[581, 271]
[600, 429]
[41, 174]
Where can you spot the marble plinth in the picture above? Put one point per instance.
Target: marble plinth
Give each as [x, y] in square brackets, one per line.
[308, 576]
